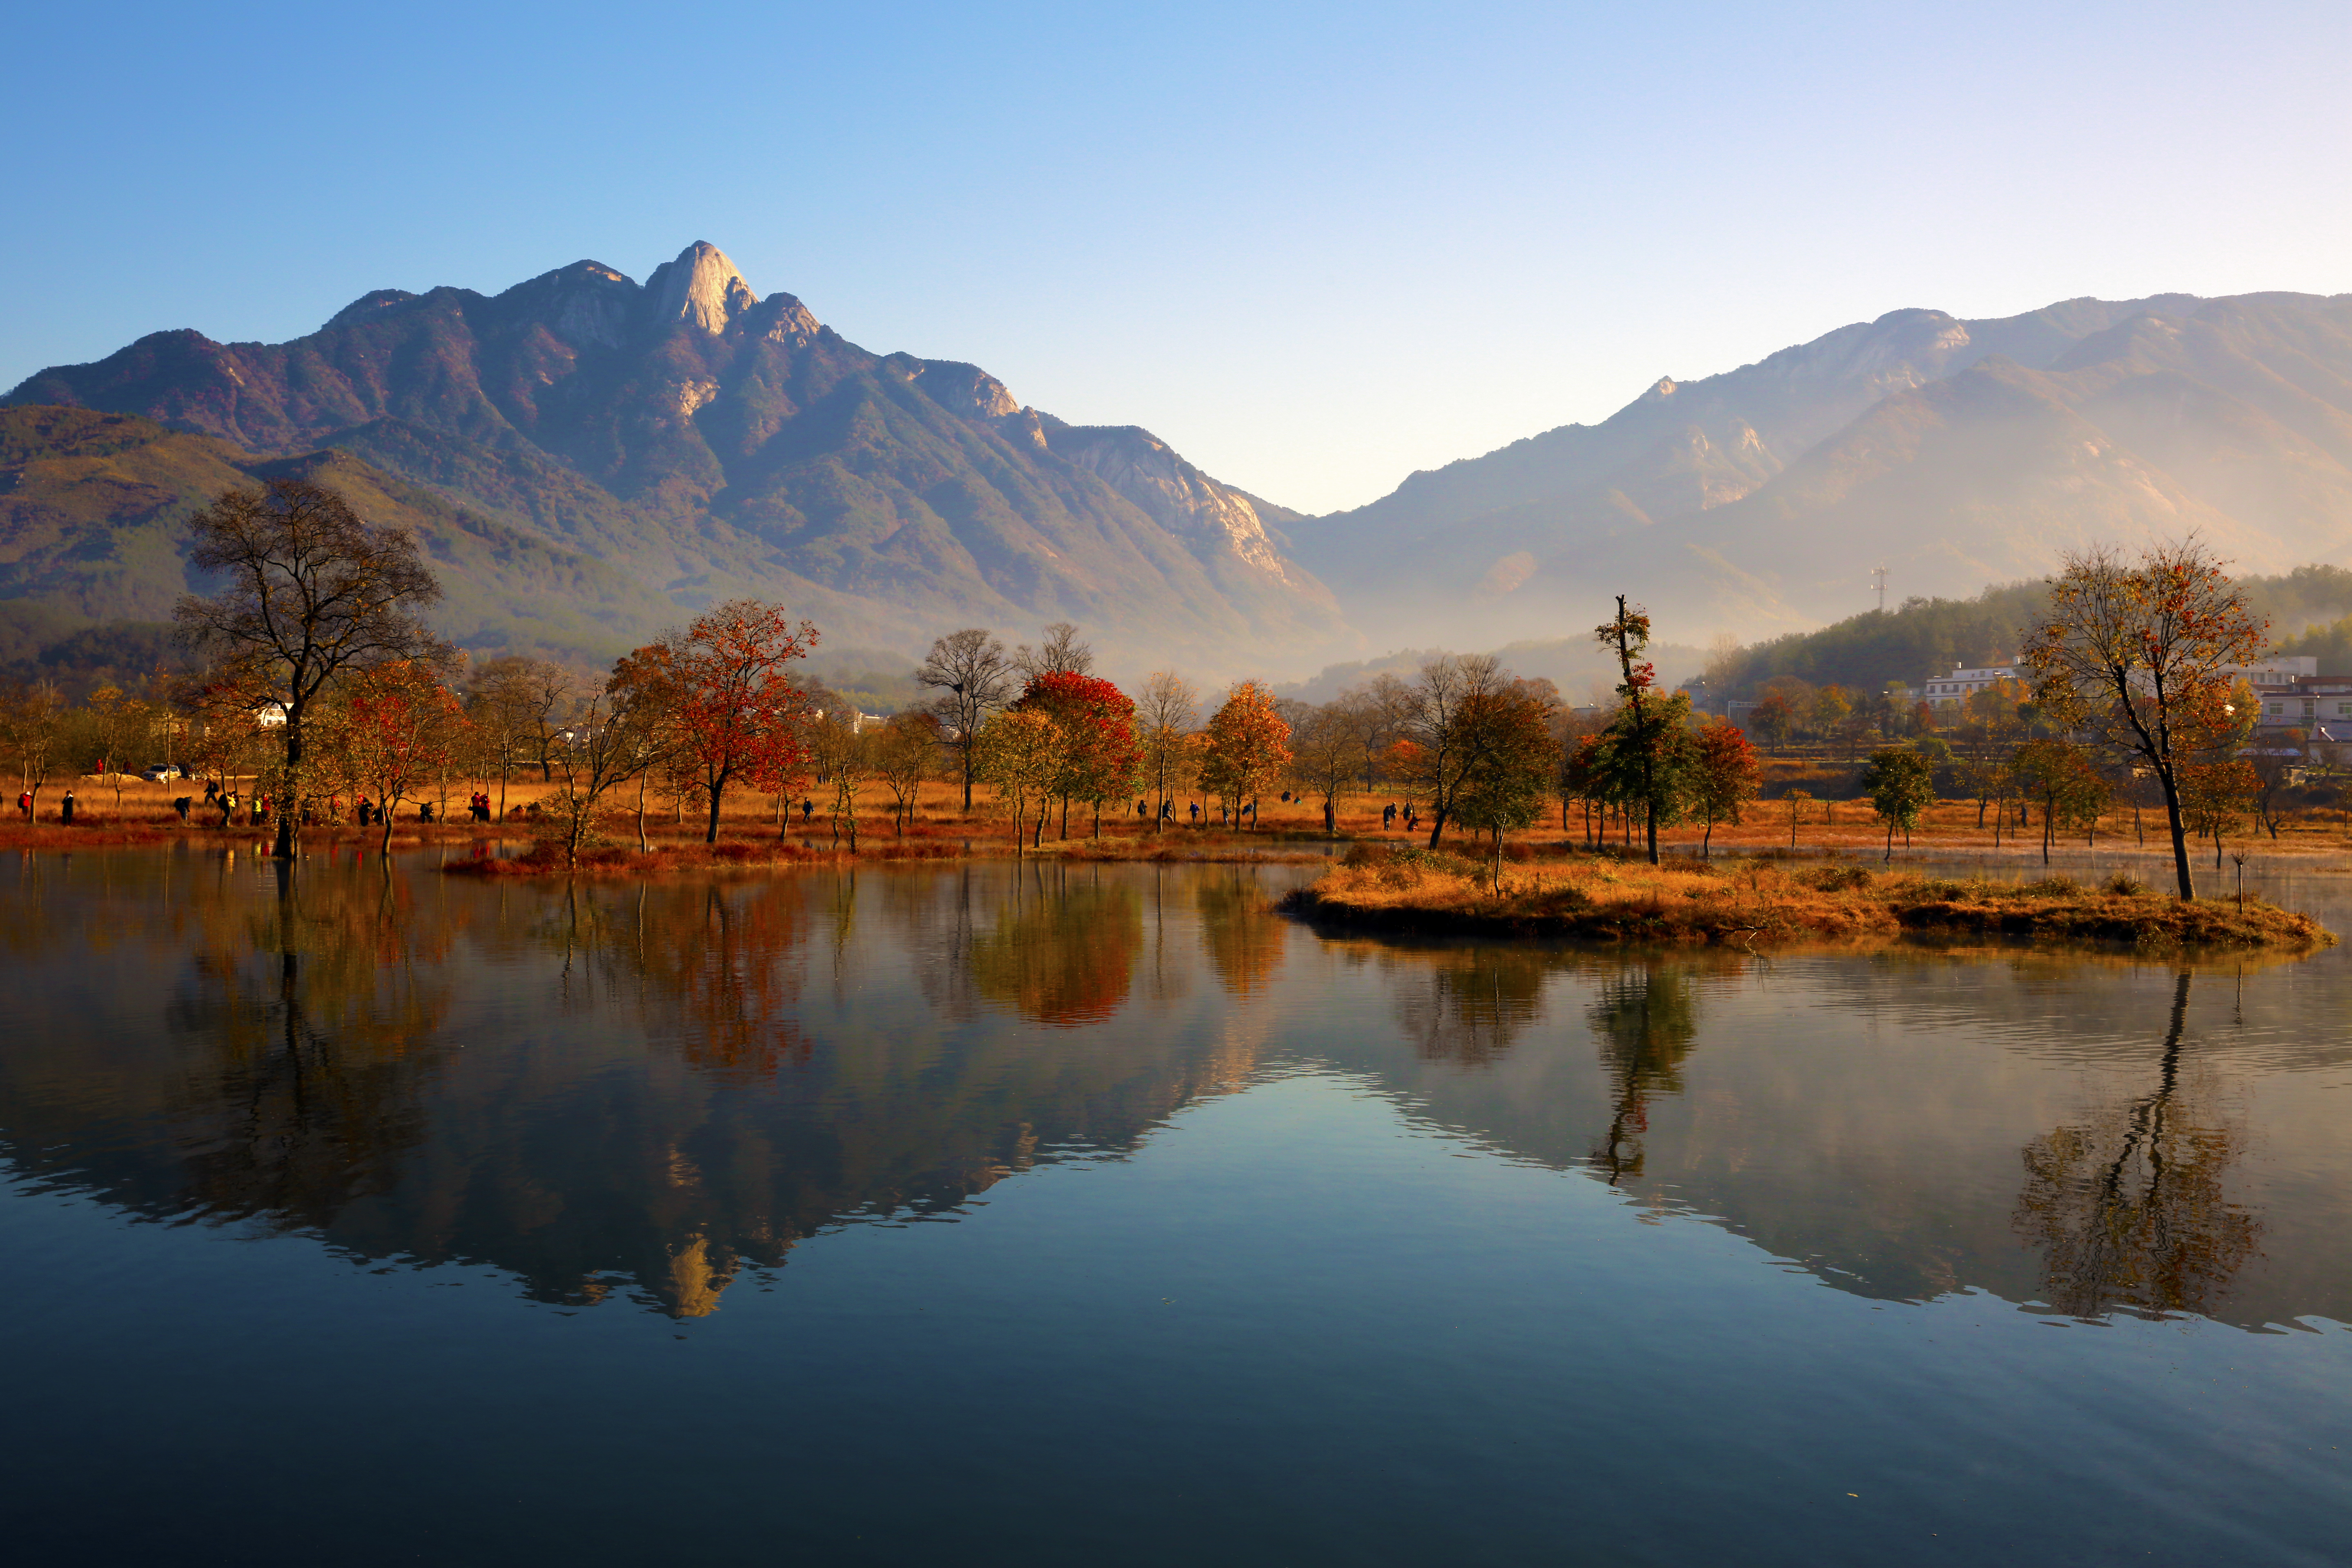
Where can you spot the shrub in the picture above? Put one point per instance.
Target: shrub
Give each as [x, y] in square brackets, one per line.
[1837, 879]
[2123, 885]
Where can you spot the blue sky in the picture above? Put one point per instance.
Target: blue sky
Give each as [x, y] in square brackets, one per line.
[1313, 247]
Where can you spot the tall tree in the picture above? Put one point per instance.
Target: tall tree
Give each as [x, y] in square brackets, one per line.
[1644, 730]
[723, 684]
[2139, 654]
[312, 592]
[973, 678]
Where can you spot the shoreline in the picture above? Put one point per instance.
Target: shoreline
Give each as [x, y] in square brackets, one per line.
[1750, 901]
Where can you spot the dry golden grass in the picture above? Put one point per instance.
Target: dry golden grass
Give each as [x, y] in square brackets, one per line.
[1750, 901]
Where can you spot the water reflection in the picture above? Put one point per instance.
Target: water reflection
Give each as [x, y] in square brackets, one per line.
[1647, 1020]
[2131, 1206]
[1063, 955]
[650, 1091]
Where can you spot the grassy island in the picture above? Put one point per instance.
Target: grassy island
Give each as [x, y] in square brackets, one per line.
[1752, 901]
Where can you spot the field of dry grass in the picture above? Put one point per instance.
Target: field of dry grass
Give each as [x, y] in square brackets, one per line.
[750, 833]
[1752, 901]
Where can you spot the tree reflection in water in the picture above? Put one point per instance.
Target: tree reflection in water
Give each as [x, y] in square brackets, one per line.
[1239, 929]
[320, 1024]
[1647, 1021]
[723, 963]
[2131, 1206]
[1471, 1003]
[1062, 950]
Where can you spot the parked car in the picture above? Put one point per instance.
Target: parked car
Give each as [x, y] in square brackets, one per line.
[163, 773]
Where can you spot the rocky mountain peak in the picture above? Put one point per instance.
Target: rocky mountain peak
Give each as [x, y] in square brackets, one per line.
[701, 287]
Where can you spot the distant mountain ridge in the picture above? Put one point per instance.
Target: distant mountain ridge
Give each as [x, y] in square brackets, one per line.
[1955, 453]
[704, 441]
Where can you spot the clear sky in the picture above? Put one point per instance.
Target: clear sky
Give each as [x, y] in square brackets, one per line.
[1313, 247]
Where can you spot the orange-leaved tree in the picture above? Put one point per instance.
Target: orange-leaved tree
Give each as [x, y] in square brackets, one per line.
[1246, 747]
[722, 688]
[1100, 757]
[399, 730]
[1724, 776]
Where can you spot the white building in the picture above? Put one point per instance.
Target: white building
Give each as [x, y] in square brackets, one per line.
[1954, 690]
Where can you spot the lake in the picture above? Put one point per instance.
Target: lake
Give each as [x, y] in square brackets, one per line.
[1099, 1215]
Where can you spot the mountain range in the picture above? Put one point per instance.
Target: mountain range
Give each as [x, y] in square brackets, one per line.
[590, 459]
[1956, 453]
[691, 440]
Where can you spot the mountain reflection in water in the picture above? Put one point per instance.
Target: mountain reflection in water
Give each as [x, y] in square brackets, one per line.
[652, 1089]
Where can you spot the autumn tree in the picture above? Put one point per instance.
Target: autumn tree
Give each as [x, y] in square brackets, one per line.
[1164, 715]
[2138, 654]
[905, 754]
[1901, 787]
[841, 752]
[1507, 765]
[516, 705]
[2215, 792]
[395, 731]
[973, 678]
[610, 736]
[1648, 733]
[32, 724]
[1247, 748]
[2064, 781]
[312, 592]
[723, 685]
[1724, 776]
[1774, 716]
[1100, 757]
[115, 719]
[1434, 749]
[1018, 753]
[1323, 757]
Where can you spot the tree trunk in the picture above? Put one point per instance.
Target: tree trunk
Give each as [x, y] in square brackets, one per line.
[718, 792]
[2164, 781]
[291, 806]
[643, 844]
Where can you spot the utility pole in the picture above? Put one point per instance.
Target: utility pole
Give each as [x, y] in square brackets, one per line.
[1878, 575]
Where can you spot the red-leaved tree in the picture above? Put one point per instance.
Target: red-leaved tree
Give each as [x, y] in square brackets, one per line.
[1099, 753]
[722, 689]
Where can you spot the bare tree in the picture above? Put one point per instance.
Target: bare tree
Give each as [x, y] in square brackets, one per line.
[312, 592]
[1323, 751]
[1431, 714]
[904, 756]
[1062, 654]
[2139, 655]
[974, 679]
[1165, 713]
[514, 703]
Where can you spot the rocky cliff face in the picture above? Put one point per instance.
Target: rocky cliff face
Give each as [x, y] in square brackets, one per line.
[710, 442]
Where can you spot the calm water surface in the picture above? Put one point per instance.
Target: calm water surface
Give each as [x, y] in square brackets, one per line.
[1100, 1215]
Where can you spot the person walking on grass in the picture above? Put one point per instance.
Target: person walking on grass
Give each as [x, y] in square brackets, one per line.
[68, 808]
